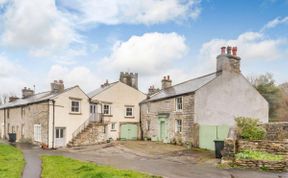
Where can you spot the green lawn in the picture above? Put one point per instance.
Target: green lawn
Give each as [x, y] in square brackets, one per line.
[62, 167]
[11, 161]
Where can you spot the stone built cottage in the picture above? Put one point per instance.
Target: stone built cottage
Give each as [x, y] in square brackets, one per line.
[49, 118]
[203, 109]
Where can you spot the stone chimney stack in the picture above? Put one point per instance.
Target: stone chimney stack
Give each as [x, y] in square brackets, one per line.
[152, 90]
[13, 98]
[166, 82]
[27, 92]
[57, 86]
[105, 84]
[228, 61]
[130, 79]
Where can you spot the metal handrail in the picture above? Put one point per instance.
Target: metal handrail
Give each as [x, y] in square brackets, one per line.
[97, 117]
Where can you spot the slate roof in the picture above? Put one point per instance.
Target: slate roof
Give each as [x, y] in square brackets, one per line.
[183, 88]
[100, 90]
[39, 97]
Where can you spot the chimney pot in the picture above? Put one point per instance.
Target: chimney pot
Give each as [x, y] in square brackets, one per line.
[229, 50]
[168, 77]
[223, 50]
[234, 51]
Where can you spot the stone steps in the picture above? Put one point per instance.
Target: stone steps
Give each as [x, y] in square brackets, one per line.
[92, 134]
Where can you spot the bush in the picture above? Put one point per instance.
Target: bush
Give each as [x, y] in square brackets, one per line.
[250, 129]
[258, 155]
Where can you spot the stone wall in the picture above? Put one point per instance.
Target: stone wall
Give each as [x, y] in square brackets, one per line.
[22, 119]
[93, 134]
[151, 111]
[275, 147]
[276, 131]
[264, 165]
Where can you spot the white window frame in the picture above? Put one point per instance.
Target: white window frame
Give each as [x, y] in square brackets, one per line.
[132, 111]
[37, 132]
[177, 103]
[178, 125]
[79, 106]
[109, 109]
[113, 125]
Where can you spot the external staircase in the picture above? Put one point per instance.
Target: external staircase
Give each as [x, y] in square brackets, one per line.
[92, 131]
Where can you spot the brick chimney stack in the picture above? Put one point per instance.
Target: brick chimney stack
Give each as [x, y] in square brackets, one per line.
[166, 82]
[27, 92]
[228, 61]
[57, 86]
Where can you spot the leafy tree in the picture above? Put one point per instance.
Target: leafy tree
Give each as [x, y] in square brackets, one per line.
[266, 86]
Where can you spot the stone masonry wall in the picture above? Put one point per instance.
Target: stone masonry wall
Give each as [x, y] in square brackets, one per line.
[22, 119]
[276, 131]
[150, 112]
[93, 134]
[275, 147]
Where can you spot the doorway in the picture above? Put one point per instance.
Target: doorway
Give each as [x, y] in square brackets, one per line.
[59, 137]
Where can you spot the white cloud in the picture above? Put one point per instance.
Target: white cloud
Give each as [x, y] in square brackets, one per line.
[37, 26]
[72, 76]
[10, 81]
[251, 46]
[147, 54]
[133, 12]
[275, 22]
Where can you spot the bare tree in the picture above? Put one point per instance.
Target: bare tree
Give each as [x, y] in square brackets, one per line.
[4, 97]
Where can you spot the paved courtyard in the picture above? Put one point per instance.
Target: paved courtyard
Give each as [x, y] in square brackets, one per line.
[169, 161]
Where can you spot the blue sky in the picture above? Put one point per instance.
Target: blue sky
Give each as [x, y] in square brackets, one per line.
[85, 42]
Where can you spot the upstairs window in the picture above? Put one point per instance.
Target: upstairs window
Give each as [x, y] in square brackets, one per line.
[179, 104]
[106, 109]
[75, 106]
[129, 111]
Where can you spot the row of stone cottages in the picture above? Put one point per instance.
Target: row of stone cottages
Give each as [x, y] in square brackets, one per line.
[194, 112]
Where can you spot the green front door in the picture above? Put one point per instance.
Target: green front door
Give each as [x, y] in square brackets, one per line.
[128, 132]
[162, 130]
[163, 126]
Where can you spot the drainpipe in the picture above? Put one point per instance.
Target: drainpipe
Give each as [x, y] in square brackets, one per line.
[48, 123]
[53, 124]
[140, 122]
[5, 129]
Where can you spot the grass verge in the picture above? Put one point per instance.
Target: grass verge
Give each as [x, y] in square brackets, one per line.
[11, 161]
[63, 167]
[258, 155]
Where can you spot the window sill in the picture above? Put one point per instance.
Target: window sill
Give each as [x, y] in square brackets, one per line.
[75, 113]
[113, 130]
[129, 117]
[107, 115]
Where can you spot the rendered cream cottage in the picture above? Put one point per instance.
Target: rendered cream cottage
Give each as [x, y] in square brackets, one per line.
[203, 109]
[118, 103]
